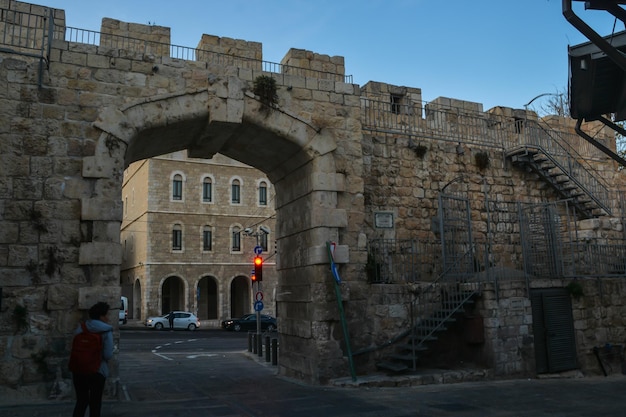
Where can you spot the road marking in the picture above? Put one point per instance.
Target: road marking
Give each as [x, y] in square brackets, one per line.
[162, 356]
[201, 354]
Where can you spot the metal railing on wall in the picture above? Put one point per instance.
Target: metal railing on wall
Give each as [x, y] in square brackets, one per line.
[454, 124]
[536, 239]
[402, 260]
[184, 53]
[27, 34]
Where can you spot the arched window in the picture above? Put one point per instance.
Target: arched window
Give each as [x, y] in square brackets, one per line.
[177, 187]
[263, 194]
[235, 194]
[263, 238]
[207, 238]
[236, 239]
[177, 237]
[207, 190]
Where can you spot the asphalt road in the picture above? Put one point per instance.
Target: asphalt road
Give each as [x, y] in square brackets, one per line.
[210, 374]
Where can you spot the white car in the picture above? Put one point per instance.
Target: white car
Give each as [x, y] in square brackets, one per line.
[182, 320]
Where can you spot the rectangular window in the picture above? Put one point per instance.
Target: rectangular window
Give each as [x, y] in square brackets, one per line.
[206, 192]
[263, 195]
[236, 241]
[396, 102]
[177, 189]
[236, 197]
[263, 241]
[206, 240]
[177, 239]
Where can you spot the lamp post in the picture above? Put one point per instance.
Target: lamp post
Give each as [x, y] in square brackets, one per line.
[544, 95]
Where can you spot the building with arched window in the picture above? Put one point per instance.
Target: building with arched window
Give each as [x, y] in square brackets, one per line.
[194, 225]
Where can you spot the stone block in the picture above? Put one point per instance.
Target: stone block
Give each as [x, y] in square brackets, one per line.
[319, 255]
[61, 296]
[101, 209]
[97, 167]
[100, 253]
[88, 296]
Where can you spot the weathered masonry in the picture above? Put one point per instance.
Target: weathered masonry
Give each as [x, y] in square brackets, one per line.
[485, 237]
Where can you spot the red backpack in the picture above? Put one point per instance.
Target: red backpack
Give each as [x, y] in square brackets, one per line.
[86, 354]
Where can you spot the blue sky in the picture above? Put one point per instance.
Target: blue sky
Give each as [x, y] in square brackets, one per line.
[495, 52]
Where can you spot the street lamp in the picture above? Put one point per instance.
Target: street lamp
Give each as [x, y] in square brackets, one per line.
[539, 96]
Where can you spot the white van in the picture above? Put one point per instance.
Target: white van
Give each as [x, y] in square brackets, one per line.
[124, 310]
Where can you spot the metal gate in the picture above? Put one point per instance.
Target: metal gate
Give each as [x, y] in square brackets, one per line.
[553, 329]
[455, 229]
[547, 234]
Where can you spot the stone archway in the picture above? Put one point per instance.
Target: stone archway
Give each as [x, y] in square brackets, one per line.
[172, 294]
[208, 298]
[298, 152]
[239, 296]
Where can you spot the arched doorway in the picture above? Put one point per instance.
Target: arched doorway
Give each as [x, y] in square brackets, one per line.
[208, 299]
[239, 296]
[172, 295]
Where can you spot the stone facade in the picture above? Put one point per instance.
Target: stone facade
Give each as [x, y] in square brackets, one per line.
[348, 164]
[209, 278]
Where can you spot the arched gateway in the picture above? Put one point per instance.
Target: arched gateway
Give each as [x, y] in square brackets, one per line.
[299, 155]
[299, 158]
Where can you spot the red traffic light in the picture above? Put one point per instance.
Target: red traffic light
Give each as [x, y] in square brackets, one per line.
[253, 278]
[258, 269]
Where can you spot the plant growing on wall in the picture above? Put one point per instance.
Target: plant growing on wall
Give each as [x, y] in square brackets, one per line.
[420, 150]
[265, 88]
[481, 159]
[575, 289]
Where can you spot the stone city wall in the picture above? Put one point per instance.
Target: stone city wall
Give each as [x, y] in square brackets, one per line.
[63, 152]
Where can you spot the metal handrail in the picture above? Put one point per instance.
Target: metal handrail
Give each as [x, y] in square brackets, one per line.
[539, 138]
[418, 312]
[184, 53]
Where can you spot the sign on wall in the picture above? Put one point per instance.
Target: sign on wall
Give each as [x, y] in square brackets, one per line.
[383, 220]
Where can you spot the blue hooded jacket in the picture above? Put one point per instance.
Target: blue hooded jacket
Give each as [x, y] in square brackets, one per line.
[97, 326]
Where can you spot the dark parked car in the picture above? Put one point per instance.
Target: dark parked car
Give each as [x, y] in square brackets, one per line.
[248, 322]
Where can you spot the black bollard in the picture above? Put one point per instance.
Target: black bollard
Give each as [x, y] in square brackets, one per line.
[268, 352]
[249, 341]
[259, 341]
[255, 346]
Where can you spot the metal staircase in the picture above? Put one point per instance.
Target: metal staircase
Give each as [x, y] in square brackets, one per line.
[432, 311]
[544, 155]
[549, 170]
[426, 330]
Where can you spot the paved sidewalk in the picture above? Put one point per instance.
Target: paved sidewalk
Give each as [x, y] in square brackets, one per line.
[589, 397]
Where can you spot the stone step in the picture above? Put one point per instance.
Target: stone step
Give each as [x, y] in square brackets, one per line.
[392, 366]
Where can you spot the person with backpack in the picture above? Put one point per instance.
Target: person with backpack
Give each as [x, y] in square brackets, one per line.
[92, 348]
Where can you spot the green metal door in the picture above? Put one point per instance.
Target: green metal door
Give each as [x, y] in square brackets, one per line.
[553, 329]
